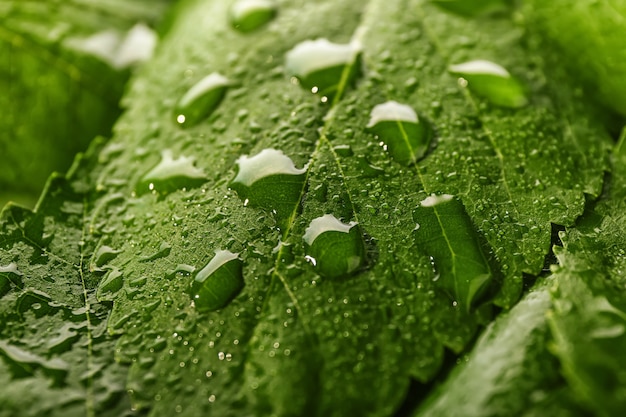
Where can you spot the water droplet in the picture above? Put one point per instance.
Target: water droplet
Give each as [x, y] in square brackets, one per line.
[30, 299]
[201, 99]
[116, 49]
[270, 180]
[164, 250]
[105, 254]
[9, 274]
[137, 282]
[248, 15]
[27, 362]
[218, 282]
[322, 66]
[491, 81]
[406, 136]
[111, 283]
[171, 174]
[448, 236]
[471, 8]
[335, 249]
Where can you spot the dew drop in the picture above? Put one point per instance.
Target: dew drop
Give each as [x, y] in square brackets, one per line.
[164, 250]
[248, 15]
[215, 285]
[26, 361]
[446, 233]
[337, 248]
[105, 254]
[407, 136]
[111, 283]
[492, 82]
[271, 181]
[201, 99]
[9, 274]
[118, 50]
[322, 66]
[171, 174]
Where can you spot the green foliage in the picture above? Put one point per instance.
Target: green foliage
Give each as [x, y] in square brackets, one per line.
[277, 257]
[589, 37]
[56, 93]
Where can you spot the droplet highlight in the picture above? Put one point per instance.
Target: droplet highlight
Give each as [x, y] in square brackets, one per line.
[334, 249]
[201, 100]
[491, 81]
[270, 180]
[322, 66]
[215, 285]
[407, 136]
[171, 174]
[248, 15]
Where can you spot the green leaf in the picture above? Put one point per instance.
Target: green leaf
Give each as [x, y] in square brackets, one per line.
[509, 371]
[589, 315]
[62, 73]
[296, 339]
[588, 36]
[56, 357]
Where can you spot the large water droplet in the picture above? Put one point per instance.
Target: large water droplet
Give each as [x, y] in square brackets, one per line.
[27, 362]
[9, 274]
[37, 302]
[201, 99]
[118, 50]
[322, 66]
[406, 135]
[247, 15]
[334, 248]
[270, 180]
[218, 282]
[110, 284]
[471, 8]
[491, 81]
[447, 234]
[105, 254]
[171, 174]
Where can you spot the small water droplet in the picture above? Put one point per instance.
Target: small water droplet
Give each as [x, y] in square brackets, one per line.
[171, 174]
[248, 15]
[201, 99]
[336, 247]
[270, 180]
[322, 66]
[405, 135]
[215, 285]
[492, 82]
[164, 250]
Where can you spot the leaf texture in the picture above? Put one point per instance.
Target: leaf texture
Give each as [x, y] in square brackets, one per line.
[294, 342]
